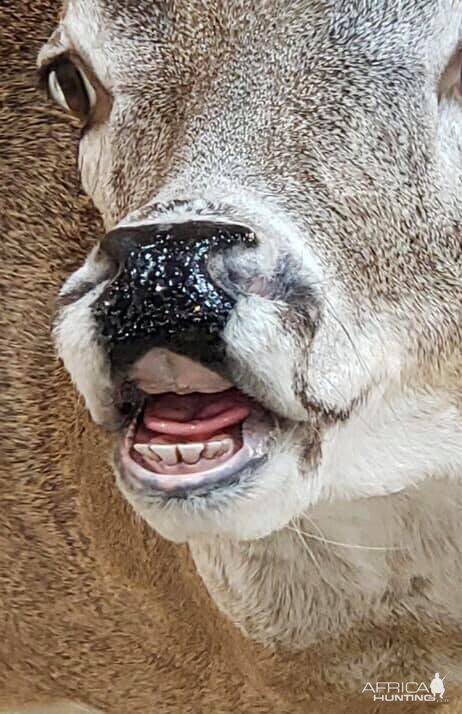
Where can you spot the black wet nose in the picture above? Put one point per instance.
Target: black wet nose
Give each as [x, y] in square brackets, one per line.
[163, 295]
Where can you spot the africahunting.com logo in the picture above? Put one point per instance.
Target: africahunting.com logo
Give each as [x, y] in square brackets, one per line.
[407, 691]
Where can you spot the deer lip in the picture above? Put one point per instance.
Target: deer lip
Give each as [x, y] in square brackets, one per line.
[193, 441]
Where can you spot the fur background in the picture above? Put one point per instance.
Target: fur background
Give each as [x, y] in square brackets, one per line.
[94, 607]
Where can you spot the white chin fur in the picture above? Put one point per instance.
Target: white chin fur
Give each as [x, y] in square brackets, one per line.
[264, 501]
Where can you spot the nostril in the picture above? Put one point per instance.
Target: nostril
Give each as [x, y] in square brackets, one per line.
[119, 243]
[163, 294]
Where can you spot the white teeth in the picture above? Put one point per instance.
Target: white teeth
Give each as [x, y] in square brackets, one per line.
[217, 448]
[190, 452]
[212, 449]
[142, 449]
[226, 446]
[166, 452]
[146, 453]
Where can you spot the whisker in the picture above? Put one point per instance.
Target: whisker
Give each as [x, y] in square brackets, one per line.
[315, 525]
[328, 541]
[310, 553]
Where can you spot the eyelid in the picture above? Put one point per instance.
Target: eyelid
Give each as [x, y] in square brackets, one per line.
[99, 97]
[451, 78]
[57, 88]
[91, 92]
[43, 72]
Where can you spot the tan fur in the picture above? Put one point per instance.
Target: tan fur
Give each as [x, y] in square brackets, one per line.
[95, 607]
[56, 708]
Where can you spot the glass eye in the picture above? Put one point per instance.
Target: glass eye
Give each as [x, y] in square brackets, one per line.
[69, 86]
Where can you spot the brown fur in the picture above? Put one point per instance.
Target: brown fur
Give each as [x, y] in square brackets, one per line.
[95, 607]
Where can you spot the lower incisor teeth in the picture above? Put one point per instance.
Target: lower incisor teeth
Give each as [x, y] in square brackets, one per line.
[226, 446]
[166, 452]
[145, 451]
[213, 449]
[190, 453]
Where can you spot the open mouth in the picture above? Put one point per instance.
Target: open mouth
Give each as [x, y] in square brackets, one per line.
[194, 442]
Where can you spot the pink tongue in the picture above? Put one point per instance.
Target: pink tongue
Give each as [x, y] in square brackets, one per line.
[194, 414]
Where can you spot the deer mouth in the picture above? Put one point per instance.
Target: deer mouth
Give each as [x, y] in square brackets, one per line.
[194, 441]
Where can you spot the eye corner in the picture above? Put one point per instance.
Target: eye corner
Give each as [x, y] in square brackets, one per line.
[46, 68]
[450, 83]
[42, 78]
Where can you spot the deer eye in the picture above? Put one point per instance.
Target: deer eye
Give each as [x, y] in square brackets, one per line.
[69, 86]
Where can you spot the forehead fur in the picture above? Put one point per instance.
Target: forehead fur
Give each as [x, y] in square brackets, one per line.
[151, 48]
[353, 20]
[175, 61]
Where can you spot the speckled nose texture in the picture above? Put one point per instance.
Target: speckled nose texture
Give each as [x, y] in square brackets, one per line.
[162, 295]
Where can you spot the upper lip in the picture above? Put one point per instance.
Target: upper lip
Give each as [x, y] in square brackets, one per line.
[160, 371]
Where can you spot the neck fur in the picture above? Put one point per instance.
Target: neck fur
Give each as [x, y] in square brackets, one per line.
[353, 562]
